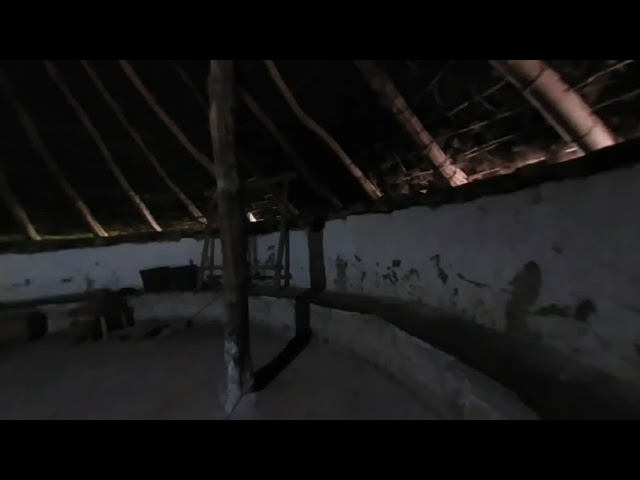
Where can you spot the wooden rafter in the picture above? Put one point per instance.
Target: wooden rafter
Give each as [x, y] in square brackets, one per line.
[273, 190]
[369, 187]
[192, 86]
[251, 166]
[15, 208]
[560, 104]
[233, 233]
[137, 82]
[37, 143]
[299, 164]
[389, 96]
[93, 132]
[195, 212]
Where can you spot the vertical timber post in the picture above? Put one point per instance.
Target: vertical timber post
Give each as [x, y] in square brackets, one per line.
[232, 222]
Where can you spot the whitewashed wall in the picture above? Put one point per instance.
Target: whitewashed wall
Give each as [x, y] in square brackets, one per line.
[27, 276]
[559, 261]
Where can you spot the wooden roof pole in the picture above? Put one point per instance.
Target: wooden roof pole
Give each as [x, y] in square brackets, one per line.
[38, 145]
[560, 104]
[93, 132]
[242, 158]
[15, 208]
[192, 86]
[299, 164]
[195, 212]
[389, 96]
[232, 222]
[200, 157]
[369, 187]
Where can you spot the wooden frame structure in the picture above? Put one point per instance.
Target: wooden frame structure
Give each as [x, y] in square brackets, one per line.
[279, 273]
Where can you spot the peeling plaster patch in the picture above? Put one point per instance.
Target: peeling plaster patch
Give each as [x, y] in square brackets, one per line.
[584, 309]
[358, 259]
[396, 263]
[442, 275]
[341, 273]
[413, 273]
[554, 310]
[475, 284]
[391, 277]
[633, 309]
[271, 259]
[526, 285]
[536, 198]
[580, 313]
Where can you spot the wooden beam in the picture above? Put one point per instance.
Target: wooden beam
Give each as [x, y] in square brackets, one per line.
[15, 208]
[195, 212]
[389, 96]
[93, 132]
[233, 232]
[559, 104]
[37, 143]
[200, 157]
[299, 164]
[242, 158]
[271, 189]
[192, 86]
[369, 187]
[261, 183]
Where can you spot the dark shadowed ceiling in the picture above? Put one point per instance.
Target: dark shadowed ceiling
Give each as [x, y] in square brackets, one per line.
[479, 119]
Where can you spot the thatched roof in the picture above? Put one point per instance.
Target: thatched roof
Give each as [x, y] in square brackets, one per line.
[479, 119]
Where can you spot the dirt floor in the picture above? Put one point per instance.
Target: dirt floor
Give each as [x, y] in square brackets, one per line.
[179, 375]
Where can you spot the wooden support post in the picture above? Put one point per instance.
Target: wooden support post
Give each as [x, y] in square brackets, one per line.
[233, 233]
[389, 96]
[369, 187]
[15, 208]
[104, 150]
[138, 139]
[37, 143]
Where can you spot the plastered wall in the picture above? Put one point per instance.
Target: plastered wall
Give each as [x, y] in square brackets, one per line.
[558, 262]
[28, 276]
